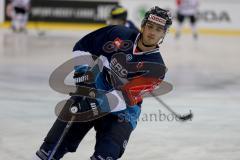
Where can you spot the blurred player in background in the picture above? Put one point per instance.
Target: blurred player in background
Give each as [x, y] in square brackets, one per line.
[18, 11]
[118, 16]
[187, 9]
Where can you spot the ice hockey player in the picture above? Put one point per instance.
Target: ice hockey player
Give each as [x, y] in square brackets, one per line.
[118, 16]
[187, 9]
[112, 134]
[18, 11]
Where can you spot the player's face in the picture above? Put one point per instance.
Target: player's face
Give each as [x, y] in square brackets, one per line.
[152, 33]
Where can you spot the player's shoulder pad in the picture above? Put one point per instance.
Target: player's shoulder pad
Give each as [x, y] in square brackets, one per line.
[85, 40]
[108, 33]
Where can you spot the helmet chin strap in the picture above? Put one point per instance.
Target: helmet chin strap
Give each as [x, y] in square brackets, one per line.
[145, 45]
[161, 40]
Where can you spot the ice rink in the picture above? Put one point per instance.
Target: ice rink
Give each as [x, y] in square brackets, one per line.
[205, 75]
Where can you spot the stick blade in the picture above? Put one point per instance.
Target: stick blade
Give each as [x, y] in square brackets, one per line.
[186, 117]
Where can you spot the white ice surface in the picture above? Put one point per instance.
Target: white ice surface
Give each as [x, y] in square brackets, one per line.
[205, 75]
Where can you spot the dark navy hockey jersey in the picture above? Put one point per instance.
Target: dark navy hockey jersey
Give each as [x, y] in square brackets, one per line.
[111, 40]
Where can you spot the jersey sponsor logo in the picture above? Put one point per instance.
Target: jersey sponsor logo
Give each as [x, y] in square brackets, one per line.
[117, 42]
[157, 19]
[117, 45]
[81, 79]
[94, 108]
[140, 65]
[129, 57]
[118, 68]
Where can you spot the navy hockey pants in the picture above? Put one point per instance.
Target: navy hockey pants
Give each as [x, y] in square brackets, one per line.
[111, 138]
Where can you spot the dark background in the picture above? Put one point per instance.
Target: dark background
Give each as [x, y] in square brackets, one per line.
[69, 11]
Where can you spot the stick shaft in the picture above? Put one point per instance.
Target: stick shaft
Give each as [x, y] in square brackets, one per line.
[165, 105]
[65, 131]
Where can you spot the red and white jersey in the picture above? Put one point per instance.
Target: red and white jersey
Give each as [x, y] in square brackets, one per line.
[187, 7]
[21, 3]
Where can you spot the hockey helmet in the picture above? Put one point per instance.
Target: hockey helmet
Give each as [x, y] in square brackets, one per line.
[119, 12]
[159, 16]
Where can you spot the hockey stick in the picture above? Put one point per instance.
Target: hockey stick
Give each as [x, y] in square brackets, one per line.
[73, 109]
[65, 131]
[179, 116]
